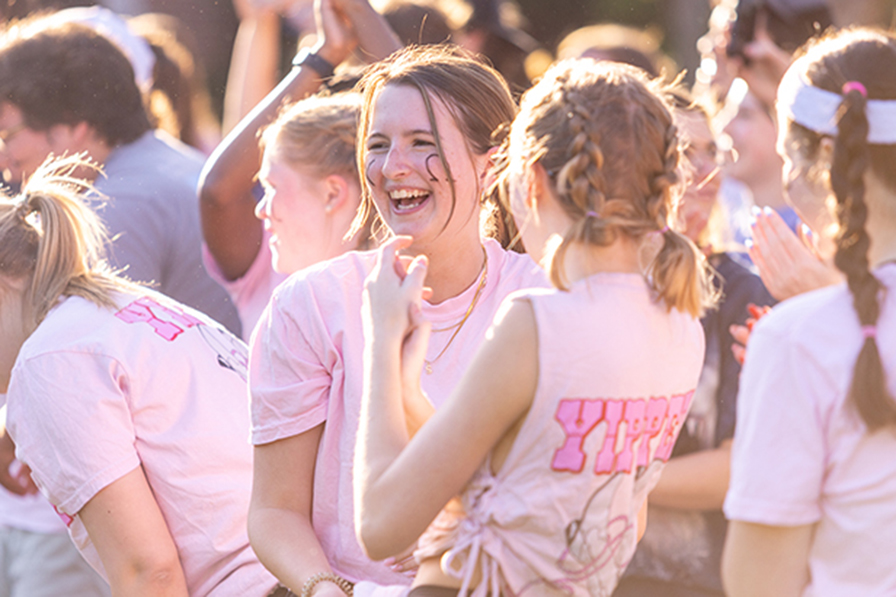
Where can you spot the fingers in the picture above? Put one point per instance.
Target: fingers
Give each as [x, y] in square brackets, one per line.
[388, 252]
[741, 335]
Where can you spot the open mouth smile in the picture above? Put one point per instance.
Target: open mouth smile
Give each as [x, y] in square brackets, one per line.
[405, 201]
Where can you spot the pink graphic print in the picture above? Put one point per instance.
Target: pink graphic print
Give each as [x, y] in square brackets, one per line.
[66, 519]
[645, 419]
[168, 322]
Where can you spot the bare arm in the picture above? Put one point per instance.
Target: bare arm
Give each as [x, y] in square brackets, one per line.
[280, 528]
[400, 486]
[696, 481]
[761, 560]
[254, 62]
[132, 539]
[376, 40]
[232, 232]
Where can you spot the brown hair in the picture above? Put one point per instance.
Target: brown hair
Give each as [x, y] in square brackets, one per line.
[66, 74]
[868, 57]
[49, 235]
[605, 136]
[475, 94]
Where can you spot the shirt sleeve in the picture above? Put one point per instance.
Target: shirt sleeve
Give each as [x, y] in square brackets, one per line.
[289, 375]
[71, 421]
[778, 460]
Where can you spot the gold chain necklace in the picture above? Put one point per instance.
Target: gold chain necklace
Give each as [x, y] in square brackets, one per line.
[458, 326]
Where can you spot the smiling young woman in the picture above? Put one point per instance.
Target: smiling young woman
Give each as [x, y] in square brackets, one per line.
[425, 131]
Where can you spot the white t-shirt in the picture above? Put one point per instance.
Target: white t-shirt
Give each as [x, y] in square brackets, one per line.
[96, 393]
[801, 452]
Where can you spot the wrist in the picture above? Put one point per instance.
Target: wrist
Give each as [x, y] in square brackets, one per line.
[312, 59]
[322, 582]
[330, 53]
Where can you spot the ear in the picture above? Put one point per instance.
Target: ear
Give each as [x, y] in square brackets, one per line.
[541, 187]
[337, 190]
[71, 138]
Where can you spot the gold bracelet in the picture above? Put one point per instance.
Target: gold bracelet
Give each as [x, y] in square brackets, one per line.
[308, 588]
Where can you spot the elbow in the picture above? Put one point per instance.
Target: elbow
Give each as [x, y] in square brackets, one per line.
[211, 186]
[377, 537]
[160, 574]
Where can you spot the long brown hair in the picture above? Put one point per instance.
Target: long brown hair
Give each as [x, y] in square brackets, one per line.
[868, 57]
[605, 136]
[475, 94]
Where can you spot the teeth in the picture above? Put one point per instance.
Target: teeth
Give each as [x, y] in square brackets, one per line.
[407, 193]
[405, 204]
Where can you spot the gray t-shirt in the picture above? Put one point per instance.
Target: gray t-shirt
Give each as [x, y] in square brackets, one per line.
[152, 215]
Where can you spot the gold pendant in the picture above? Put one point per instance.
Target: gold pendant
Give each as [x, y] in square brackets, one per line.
[428, 367]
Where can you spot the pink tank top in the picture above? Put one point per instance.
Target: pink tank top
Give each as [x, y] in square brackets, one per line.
[616, 375]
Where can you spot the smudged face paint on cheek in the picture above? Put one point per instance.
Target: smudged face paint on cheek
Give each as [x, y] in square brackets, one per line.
[418, 190]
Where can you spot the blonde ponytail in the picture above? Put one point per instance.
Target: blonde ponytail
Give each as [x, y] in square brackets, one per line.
[49, 235]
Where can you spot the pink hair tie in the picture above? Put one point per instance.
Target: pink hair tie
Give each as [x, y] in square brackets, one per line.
[854, 86]
[664, 229]
[869, 331]
[592, 214]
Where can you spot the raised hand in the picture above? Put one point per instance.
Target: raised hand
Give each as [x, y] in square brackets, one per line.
[336, 35]
[788, 265]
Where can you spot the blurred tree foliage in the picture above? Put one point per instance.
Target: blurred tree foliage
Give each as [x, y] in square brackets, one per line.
[550, 20]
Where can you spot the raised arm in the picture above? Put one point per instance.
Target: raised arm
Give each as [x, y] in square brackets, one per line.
[137, 550]
[232, 232]
[255, 61]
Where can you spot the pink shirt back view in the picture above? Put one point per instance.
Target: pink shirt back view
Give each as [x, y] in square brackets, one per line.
[616, 373]
[96, 393]
[802, 455]
[305, 368]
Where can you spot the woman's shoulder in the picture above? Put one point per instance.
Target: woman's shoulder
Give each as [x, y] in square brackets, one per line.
[342, 274]
[819, 313]
[515, 270]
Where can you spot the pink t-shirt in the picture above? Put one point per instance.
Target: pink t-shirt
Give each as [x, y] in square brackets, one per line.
[253, 290]
[801, 453]
[96, 393]
[305, 368]
[616, 373]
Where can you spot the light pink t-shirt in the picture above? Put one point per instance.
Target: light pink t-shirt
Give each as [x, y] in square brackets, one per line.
[96, 393]
[305, 368]
[616, 373]
[802, 455]
[253, 290]
[26, 512]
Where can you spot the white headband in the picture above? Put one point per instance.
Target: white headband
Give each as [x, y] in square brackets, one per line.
[816, 109]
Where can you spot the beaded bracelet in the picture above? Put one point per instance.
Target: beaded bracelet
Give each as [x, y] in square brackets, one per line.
[308, 588]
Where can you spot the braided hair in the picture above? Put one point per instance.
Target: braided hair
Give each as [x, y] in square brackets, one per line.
[867, 57]
[606, 138]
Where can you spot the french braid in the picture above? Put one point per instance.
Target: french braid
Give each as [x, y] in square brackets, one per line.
[605, 136]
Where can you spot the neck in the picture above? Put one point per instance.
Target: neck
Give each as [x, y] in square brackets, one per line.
[623, 256]
[453, 267]
[768, 191]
